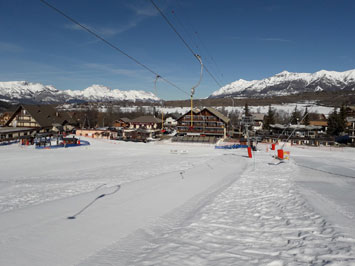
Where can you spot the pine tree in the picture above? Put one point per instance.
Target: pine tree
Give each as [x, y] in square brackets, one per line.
[306, 117]
[295, 116]
[269, 118]
[332, 128]
[342, 118]
[246, 110]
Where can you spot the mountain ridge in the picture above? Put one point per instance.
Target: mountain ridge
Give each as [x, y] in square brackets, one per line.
[29, 92]
[287, 83]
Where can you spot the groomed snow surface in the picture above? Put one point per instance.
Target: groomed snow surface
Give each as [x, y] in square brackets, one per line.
[176, 204]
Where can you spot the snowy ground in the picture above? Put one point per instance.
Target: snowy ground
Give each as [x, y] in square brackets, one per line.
[176, 205]
[289, 108]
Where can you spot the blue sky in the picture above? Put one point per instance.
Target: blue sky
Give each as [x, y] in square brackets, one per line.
[236, 39]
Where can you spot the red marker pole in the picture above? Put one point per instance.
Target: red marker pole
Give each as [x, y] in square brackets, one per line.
[250, 155]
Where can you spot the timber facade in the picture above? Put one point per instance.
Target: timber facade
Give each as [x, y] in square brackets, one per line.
[32, 119]
[205, 122]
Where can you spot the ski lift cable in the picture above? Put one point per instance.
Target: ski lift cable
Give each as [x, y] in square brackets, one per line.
[199, 81]
[304, 116]
[161, 101]
[111, 45]
[293, 131]
[192, 40]
[182, 39]
[194, 87]
[199, 40]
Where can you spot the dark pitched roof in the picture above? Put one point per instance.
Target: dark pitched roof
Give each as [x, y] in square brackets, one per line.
[218, 114]
[194, 110]
[211, 110]
[146, 119]
[45, 115]
[316, 117]
[173, 115]
[124, 119]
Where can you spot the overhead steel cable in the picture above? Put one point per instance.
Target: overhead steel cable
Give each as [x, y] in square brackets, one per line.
[183, 40]
[193, 29]
[111, 45]
[192, 40]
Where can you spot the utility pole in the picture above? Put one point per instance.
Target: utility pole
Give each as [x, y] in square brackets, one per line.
[194, 87]
[161, 102]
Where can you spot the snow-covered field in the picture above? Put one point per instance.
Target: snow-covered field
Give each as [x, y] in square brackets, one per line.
[288, 108]
[176, 204]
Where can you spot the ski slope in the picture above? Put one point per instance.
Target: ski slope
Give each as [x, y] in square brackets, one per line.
[175, 204]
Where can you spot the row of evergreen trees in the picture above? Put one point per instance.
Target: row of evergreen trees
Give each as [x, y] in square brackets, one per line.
[336, 120]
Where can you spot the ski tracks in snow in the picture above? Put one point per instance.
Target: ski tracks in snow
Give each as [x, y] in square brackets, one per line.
[261, 219]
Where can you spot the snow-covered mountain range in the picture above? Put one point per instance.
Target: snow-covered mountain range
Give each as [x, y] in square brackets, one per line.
[286, 83]
[27, 92]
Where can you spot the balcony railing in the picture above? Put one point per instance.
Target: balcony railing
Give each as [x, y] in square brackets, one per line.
[199, 118]
[201, 130]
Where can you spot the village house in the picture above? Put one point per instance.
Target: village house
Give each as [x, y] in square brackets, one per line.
[142, 128]
[258, 121]
[4, 117]
[205, 122]
[96, 133]
[44, 117]
[170, 122]
[301, 135]
[122, 123]
[316, 119]
[146, 122]
[31, 119]
[15, 133]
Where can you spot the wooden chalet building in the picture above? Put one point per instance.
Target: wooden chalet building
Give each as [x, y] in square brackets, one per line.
[122, 122]
[318, 120]
[32, 119]
[301, 135]
[146, 122]
[206, 122]
[4, 117]
[142, 128]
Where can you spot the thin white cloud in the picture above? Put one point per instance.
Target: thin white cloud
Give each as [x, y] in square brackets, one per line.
[273, 39]
[140, 13]
[108, 31]
[112, 70]
[147, 10]
[265, 39]
[105, 31]
[10, 47]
